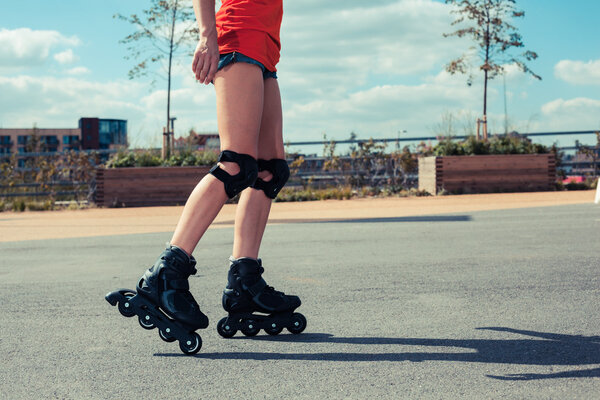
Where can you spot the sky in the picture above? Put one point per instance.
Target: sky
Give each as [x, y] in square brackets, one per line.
[375, 68]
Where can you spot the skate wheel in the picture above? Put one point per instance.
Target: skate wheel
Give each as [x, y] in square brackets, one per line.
[249, 328]
[125, 307]
[274, 329]
[297, 323]
[191, 345]
[166, 335]
[224, 330]
[146, 322]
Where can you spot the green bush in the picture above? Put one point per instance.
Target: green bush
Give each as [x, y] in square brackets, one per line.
[40, 205]
[18, 205]
[496, 145]
[151, 158]
[147, 159]
[121, 160]
[192, 158]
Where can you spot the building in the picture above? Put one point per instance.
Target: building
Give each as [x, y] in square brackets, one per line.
[198, 141]
[92, 134]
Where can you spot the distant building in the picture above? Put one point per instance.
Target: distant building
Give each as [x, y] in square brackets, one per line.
[92, 134]
[198, 141]
[102, 134]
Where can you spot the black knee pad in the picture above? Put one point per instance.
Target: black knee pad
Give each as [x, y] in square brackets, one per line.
[281, 173]
[234, 184]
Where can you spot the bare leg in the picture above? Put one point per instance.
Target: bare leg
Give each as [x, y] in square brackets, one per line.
[253, 208]
[240, 92]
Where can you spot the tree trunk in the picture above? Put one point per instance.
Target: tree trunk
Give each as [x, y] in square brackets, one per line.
[172, 39]
[485, 85]
[485, 71]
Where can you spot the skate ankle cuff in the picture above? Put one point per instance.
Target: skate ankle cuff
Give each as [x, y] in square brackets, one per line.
[179, 252]
[233, 260]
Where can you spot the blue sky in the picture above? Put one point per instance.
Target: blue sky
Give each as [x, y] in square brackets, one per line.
[375, 68]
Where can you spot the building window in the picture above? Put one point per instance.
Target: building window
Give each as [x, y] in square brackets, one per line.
[70, 139]
[22, 139]
[50, 140]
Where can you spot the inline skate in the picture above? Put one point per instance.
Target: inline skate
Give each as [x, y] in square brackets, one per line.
[247, 293]
[162, 300]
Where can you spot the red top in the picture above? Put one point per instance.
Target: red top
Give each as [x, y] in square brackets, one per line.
[252, 28]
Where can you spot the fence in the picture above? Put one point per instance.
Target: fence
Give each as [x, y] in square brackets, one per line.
[85, 189]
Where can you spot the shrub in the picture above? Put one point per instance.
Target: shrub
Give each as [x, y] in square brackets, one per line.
[18, 205]
[40, 205]
[151, 158]
[496, 145]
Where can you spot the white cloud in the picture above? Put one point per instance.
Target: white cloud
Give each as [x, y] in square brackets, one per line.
[382, 111]
[373, 67]
[60, 101]
[78, 71]
[574, 114]
[24, 47]
[66, 57]
[578, 72]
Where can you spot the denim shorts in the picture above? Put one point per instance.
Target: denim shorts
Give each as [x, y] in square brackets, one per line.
[230, 58]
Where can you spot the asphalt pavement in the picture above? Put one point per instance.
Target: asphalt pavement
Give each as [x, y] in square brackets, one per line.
[491, 304]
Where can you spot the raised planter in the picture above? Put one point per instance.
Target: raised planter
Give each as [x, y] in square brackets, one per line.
[487, 174]
[147, 186]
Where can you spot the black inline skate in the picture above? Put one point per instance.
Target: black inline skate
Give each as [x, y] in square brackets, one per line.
[163, 300]
[247, 293]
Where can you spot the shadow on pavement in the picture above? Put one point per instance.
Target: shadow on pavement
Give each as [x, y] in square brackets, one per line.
[542, 349]
[429, 218]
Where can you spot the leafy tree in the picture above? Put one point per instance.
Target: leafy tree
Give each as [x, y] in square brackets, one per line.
[488, 24]
[163, 32]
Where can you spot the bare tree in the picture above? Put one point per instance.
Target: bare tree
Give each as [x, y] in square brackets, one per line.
[163, 32]
[488, 24]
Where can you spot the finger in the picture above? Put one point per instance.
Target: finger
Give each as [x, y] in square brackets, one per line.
[212, 72]
[206, 68]
[195, 62]
[203, 73]
[199, 68]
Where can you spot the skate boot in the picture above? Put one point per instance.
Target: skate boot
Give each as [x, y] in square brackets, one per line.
[163, 300]
[247, 294]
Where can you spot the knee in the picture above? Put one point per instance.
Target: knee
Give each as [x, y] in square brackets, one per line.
[236, 171]
[274, 174]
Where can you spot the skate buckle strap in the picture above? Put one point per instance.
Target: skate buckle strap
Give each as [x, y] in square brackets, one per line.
[177, 284]
[257, 288]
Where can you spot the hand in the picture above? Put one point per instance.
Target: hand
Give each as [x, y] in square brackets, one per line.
[206, 59]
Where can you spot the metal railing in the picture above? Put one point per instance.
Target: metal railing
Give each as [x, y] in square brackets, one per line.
[78, 189]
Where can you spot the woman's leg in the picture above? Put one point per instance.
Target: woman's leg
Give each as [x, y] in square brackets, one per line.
[240, 93]
[254, 206]
[247, 297]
